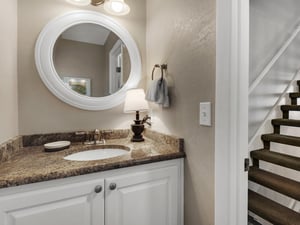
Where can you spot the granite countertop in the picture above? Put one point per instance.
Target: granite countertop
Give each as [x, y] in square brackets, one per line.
[32, 164]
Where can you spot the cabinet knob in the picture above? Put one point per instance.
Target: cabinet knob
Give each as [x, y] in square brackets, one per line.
[112, 186]
[98, 189]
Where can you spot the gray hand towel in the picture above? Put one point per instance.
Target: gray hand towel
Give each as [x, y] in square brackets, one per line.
[158, 93]
[152, 92]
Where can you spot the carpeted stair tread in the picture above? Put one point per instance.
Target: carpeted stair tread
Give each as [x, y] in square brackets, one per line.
[272, 211]
[280, 159]
[286, 122]
[294, 95]
[275, 182]
[282, 139]
[290, 107]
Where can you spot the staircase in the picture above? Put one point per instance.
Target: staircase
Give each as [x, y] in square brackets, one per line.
[266, 208]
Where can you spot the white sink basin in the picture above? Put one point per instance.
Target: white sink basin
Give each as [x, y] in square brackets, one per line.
[97, 154]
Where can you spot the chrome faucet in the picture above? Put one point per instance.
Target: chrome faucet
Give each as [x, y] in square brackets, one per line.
[94, 138]
[103, 134]
[99, 137]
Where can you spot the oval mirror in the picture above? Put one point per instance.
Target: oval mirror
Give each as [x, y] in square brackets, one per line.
[87, 60]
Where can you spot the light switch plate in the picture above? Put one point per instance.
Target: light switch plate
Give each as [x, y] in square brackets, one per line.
[205, 114]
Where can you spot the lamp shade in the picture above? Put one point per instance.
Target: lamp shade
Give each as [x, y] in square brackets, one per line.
[135, 101]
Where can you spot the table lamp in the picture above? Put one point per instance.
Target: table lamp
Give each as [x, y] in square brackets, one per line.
[135, 102]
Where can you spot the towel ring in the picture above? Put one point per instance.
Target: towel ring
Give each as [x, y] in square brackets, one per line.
[162, 68]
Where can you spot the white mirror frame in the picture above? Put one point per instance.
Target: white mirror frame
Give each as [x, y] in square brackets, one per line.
[45, 65]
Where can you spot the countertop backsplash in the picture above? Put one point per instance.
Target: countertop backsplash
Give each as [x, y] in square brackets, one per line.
[10, 148]
[73, 137]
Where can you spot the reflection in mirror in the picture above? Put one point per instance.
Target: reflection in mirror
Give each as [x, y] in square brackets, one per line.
[91, 60]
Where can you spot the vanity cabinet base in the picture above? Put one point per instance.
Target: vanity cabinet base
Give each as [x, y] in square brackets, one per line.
[141, 195]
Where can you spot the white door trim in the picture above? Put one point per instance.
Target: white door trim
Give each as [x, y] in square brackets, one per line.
[113, 53]
[231, 135]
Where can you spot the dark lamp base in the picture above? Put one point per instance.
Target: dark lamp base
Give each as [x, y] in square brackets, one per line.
[137, 129]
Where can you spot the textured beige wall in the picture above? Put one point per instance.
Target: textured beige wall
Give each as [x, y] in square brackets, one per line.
[39, 110]
[182, 34]
[8, 70]
[84, 60]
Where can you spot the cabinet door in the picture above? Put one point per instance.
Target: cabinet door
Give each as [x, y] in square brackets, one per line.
[72, 204]
[143, 198]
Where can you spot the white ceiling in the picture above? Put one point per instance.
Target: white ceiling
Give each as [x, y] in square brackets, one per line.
[88, 33]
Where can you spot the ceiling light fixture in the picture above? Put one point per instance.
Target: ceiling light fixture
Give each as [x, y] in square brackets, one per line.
[97, 2]
[114, 7]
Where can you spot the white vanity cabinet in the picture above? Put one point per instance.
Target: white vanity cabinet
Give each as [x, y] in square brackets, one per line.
[71, 204]
[144, 198]
[150, 194]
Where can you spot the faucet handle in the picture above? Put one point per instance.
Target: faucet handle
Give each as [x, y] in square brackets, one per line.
[88, 138]
[85, 136]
